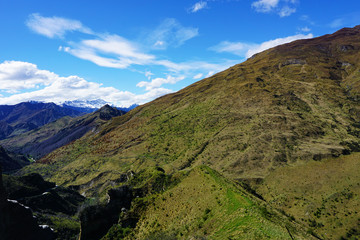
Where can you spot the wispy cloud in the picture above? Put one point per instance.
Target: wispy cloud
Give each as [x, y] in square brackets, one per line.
[348, 20]
[102, 50]
[249, 49]
[265, 5]
[170, 33]
[305, 29]
[283, 8]
[158, 82]
[52, 27]
[198, 6]
[198, 76]
[286, 11]
[237, 48]
[273, 43]
[114, 51]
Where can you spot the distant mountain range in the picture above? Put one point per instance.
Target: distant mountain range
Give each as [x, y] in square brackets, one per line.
[42, 140]
[26, 116]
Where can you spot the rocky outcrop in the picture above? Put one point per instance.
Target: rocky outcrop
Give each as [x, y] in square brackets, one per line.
[17, 221]
[98, 219]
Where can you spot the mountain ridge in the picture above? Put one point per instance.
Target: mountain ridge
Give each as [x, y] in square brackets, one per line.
[41, 141]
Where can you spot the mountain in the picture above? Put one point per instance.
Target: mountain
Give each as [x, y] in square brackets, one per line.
[11, 161]
[285, 110]
[43, 140]
[92, 105]
[23, 117]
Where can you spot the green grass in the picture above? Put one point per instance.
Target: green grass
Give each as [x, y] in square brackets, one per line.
[322, 195]
[202, 205]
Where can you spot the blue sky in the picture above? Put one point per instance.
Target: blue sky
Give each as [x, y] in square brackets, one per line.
[132, 51]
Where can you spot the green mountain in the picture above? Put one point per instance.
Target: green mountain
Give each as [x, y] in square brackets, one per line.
[285, 111]
[43, 140]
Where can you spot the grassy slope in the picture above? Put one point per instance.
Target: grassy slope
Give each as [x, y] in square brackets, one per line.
[282, 106]
[205, 204]
[323, 195]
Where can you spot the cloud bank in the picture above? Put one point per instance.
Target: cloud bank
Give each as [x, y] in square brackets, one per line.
[17, 75]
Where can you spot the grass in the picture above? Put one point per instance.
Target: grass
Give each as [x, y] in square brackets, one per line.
[204, 204]
[323, 195]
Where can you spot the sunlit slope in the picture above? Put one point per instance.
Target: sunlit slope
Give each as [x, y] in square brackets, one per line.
[204, 205]
[322, 195]
[295, 102]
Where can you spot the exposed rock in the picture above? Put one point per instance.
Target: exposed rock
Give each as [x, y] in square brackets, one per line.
[97, 220]
[345, 48]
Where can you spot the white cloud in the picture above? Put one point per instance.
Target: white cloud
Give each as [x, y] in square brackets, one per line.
[120, 52]
[54, 26]
[237, 48]
[114, 51]
[265, 5]
[273, 43]
[198, 76]
[247, 50]
[148, 74]
[16, 75]
[305, 29]
[170, 33]
[20, 75]
[286, 11]
[283, 8]
[198, 6]
[158, 82]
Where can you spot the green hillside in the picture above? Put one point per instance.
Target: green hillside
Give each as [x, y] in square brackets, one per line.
[286, 121]
[204, 204]
[288, 104]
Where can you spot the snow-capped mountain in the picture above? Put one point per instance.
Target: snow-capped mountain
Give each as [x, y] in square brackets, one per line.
[98, 103]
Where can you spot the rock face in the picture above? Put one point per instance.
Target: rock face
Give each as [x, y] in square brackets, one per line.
[17, 221]
[10, 161]
[97, 220]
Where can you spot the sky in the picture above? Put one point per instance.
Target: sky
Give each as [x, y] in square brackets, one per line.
[133, 51]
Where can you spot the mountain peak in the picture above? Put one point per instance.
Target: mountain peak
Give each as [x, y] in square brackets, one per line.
[107, 112]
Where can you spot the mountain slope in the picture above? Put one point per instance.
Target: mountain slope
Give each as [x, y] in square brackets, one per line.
[11, 161]
[286, 121]
[205, 205]
[288, 104]
[322, 195]
[47, 138]
[23, 117]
